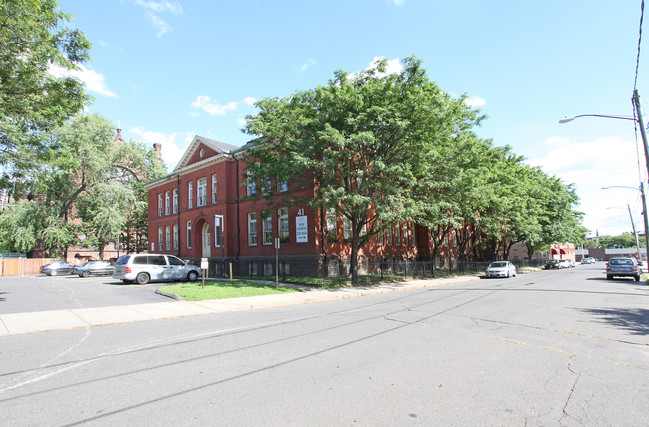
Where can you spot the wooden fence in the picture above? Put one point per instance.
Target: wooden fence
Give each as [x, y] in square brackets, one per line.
[22, 266]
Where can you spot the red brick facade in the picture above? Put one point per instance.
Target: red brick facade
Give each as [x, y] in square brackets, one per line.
[185, 210]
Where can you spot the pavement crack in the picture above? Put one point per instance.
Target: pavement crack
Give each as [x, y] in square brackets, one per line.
[564, 410]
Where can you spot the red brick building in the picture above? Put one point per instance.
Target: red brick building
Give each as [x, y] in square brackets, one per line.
[199, 210]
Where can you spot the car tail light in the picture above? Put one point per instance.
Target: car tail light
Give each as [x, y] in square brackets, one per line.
[128, 270]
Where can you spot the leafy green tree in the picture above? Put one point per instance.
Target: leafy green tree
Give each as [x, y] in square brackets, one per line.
[624, 240]
[360, 140]
[20, 226]
[84, 190]
[34, 40]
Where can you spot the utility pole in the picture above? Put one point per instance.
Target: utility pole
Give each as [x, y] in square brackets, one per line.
[643, 133]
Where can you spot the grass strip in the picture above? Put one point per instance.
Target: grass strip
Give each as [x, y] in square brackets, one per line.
[193, 291]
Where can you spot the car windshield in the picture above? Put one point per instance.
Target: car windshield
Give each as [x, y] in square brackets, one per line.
[498, 264]
[621, 262]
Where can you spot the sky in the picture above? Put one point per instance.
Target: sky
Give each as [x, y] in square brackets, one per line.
[165, 71]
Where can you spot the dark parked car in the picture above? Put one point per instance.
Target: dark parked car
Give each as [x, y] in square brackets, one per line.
[553, 263]
[57, 267]
[622, 267]
[94, 268]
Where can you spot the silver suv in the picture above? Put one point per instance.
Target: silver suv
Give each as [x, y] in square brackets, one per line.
[142, 268]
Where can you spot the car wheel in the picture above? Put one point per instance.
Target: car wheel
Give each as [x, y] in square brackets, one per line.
[53, 273]
[637, 278]
[192, 276]
[142, 279]
[126, 281]
[85, 273]
[609, 277]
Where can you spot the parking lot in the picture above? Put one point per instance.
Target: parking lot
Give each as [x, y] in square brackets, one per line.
[41, 293]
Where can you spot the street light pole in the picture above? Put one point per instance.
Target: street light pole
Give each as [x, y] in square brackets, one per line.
[640, 121]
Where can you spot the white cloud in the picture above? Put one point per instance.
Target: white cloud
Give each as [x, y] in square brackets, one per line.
[161, 6]
[307, 64]
[590, 166]
[203, 102]
[154, 10]
[172, 151]
[242, 121]
[557, 140]
[393, 67]
[160, 24]
[398, 2]
[94, 81]
[475, 101]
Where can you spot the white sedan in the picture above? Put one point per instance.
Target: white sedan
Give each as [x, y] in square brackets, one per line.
[501, 269]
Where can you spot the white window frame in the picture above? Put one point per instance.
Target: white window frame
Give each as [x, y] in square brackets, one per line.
[252, 187]
[167, 238]
[268, 268]
[166, 203]
[252, 229]
[190, 194]
[267, 230]
[214, 187]
[176, 236]
[160, 237]
[159, 204]
[201, 192]
[347, 228]
[332, 221]
[189, 234]
[282, 224]
[174, 200]
[218, 230]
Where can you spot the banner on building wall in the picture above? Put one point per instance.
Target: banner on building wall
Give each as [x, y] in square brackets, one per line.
[301, 229]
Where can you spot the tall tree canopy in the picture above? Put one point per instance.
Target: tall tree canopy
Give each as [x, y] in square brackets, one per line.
[84, 190]
[34, 42]
[360, 139]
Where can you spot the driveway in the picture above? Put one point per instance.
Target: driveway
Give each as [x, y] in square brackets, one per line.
[42, 293]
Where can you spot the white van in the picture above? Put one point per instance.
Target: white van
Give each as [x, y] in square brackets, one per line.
[142, 268]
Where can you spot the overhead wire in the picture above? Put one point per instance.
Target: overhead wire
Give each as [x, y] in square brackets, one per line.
[635, 85]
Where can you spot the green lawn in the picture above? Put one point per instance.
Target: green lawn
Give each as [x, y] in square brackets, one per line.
[223, 289]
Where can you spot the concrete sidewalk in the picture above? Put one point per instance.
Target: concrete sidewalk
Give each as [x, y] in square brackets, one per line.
[41, 321]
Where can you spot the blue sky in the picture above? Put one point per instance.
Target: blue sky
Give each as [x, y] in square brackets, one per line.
[169, 70]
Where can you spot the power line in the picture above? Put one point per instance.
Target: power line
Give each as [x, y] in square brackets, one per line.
[637, 63]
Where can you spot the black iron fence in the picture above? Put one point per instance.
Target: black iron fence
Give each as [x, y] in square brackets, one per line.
[337, 272]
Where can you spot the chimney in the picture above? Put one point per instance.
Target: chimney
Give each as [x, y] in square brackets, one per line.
[119, 132]
[119, 136]
[158, 149]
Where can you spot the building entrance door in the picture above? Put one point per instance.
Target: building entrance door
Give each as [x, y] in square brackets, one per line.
[206, 239]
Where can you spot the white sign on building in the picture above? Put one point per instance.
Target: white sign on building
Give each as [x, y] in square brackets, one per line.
[301, 229]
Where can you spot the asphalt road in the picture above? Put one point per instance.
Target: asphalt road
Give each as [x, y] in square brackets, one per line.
[562, 347]
[43, 293]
